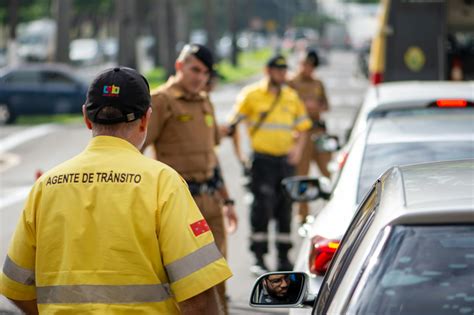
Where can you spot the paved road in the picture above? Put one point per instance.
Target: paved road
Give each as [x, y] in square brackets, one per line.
[25, 150]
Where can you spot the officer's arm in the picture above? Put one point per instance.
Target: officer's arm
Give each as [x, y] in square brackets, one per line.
[28, 307]
[203, 303]
[324, 98]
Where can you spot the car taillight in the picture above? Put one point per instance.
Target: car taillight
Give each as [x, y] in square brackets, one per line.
[376, 78]
[451, 103]
[321, 253]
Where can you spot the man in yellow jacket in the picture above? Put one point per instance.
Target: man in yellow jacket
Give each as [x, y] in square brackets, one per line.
[111, 231]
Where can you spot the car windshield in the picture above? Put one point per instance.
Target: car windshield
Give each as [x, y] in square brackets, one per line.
[379, 157]
[421, 270]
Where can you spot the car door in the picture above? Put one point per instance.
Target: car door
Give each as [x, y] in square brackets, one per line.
[61, 93]
[20, 90]
[327, 295]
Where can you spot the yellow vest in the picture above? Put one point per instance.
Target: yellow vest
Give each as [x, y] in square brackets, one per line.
[275, 136]
[111, 231]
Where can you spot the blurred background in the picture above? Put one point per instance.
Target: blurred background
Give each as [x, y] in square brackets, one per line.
[147, 34]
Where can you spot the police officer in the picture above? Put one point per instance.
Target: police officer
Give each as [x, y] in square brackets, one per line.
[312, 93]
[112, 231]
[184, 135]
[274, 113]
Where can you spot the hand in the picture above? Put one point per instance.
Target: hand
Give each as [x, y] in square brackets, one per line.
[294, 156]
[230, 219]
[224, 131]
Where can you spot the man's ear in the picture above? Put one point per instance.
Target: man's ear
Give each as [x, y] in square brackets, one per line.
[86, 119]
[145, 119]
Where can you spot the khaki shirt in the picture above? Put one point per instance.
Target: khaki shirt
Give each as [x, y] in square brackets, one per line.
[312, 93]
[183, 131]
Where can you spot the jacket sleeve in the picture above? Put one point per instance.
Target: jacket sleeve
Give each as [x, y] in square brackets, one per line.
[191, 258]
[18, 275]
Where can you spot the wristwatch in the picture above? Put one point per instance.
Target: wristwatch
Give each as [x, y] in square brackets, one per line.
[229, 202]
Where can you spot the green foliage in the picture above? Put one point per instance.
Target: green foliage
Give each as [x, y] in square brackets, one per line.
[156, 77]
[28, 10]
[43, 119]
[249, 63]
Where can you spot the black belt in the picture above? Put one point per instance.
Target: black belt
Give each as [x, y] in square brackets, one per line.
[319, 124]
[197, 188]
[257, 155]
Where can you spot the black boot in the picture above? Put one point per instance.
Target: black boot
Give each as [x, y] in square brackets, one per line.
[284, 263]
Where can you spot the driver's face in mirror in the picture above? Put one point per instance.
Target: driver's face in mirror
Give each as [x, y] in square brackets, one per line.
[277, 285]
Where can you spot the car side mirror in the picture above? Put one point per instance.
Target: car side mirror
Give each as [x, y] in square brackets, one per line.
[280, 289]
[326, 143]
[306, 188]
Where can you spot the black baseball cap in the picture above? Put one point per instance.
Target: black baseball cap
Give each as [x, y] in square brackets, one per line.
[312, 57]
[202, 53]
[277, 61]
[122, 88]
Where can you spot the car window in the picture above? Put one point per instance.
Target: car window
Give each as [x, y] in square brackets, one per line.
[23, 77]
[379, 157]
[345, 252]
[51, 77]
[420, 270]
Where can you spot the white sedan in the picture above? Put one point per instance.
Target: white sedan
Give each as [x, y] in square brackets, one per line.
[408, 250]
[385, 143]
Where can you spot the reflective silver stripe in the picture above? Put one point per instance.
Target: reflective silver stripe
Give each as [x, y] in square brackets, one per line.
[70, 294]
[193, 262]
[300, 119]
[274, 126]
[17, 273]
[259, 237]
[283, 238]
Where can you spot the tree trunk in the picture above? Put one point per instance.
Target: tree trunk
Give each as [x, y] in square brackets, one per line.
[63, 24]
[233, 32]
[12, 57]
[210, 25]
[127, 27]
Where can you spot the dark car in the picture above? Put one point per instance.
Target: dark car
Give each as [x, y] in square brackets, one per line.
[40, 90]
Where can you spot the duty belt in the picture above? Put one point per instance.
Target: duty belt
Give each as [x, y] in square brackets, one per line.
[197, 188]
[319, 124]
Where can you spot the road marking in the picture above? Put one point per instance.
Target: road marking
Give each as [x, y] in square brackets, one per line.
[16, 139]
[15, 195]
[8, 160]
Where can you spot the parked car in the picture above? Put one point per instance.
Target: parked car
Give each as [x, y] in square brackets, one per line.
[408, 250]
[86, 52]
[40, 89]
[387, 142]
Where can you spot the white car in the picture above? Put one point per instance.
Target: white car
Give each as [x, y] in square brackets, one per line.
[408, 250]
[386, 142]
[417, 97]
[86, 52]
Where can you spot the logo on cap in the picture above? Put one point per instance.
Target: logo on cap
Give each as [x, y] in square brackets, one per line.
[111, 90]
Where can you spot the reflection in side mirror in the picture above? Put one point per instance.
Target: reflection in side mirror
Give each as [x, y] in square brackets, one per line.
[326, 143]
[305, 188]
[280, 289]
